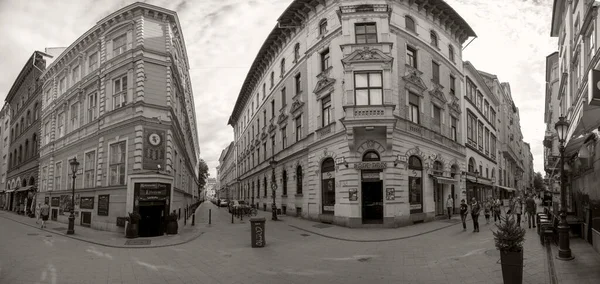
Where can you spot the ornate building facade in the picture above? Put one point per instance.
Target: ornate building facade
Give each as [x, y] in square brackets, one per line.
[358, 106]
[4, 151]
[226, 173]
[119, 100]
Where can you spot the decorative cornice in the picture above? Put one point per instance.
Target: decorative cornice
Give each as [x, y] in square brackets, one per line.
[367, 55]
[296, 105]
[413, 77]
[282, 118]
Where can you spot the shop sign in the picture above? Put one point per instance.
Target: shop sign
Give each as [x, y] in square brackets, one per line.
[371, 176]
[370, 165]
[87, 203]
[328, 208]
[153, 189]
[55, 202]
[415, 206]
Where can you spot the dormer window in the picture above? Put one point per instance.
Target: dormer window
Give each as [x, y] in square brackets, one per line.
[366, 33]
[323, 27]
[409, 23]
[434, 38]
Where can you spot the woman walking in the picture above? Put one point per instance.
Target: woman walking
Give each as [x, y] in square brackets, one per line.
[463, 213]
[475, 210]
[497, 210]
[487, 209]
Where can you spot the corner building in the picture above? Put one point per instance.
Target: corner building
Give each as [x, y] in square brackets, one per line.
[119, 99]
[358, 105]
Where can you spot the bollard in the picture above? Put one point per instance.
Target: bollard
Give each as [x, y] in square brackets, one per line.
[241, 215]
[231, 217]
[194, 220]
[209, 216]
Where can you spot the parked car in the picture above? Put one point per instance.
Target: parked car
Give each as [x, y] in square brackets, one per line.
[224, 203]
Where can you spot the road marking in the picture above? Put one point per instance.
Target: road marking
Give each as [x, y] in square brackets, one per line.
[98, 253]
[153, 267]
[50, 269]
[354, 257]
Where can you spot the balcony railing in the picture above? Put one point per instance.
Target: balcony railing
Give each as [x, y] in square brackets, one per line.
[369, 112]
[428, 134]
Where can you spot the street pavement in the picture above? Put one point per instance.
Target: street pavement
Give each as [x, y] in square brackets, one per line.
[296, 251]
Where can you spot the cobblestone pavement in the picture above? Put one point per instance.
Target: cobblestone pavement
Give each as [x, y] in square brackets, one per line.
[223, 255]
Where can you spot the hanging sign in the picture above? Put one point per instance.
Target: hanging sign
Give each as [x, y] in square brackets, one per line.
[370, 165]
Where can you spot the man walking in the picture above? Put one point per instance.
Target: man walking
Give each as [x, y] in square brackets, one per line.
[518, 209]
[44, 212]
[475, 209]
[450, 205]
[463, 213]
[530, 208]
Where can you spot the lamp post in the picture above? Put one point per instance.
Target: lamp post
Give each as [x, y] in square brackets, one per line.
[564, 250]
[74, 165]
[273, 163]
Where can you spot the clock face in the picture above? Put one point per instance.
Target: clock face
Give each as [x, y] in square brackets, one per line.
[154, 139]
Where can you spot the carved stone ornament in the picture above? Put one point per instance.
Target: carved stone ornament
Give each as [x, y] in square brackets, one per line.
[439, 95]
[323, 82]
[282, 118]
[367, 55]
[272, 128]
[413, 77]
[264, 136]
[454, 105]
[257, 142]
[296, 105]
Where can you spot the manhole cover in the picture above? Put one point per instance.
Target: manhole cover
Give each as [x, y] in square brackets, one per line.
[60, 229]
[32, 234]
[322, 226]
[304, 235]
[492, 252]
[137, 242]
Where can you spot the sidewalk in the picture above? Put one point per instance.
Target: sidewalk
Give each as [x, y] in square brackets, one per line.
[117, 240]
[583, 269]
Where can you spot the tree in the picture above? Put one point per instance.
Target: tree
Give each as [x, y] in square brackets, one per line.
[202, 174]
[538, 181]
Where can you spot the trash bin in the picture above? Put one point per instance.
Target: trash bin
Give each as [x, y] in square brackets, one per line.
[257, 229]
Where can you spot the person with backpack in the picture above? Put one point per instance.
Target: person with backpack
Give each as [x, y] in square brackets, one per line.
[487, 209]
[463, 213]
[44, 212]
[475, 210]
[530, 208]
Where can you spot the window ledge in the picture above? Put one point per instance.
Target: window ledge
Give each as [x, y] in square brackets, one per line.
[299, 195]
[284, 195]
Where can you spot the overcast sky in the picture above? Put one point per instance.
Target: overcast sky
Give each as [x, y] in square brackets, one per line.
[223, 36]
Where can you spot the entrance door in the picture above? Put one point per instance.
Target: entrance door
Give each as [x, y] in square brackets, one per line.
[439, 200]
[372, 198]
[151, 223]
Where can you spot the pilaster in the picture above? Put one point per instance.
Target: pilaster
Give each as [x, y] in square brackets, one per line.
[99, 171]
[138, 142]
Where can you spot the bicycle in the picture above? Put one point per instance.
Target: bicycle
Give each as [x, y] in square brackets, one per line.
[250, 211]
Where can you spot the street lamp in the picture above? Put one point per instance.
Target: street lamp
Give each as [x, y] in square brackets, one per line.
[273, 163]
[74, 165]
[564, 250]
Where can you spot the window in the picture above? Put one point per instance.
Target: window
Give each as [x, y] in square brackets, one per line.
[411, 57]
[435, 71]
[61, 124]
[323, 27]
[284, 181]
[298, 128]
[74, 116]
[272, 109]
[328, 186]
[479, 100]
[487, 140]
[296, 52]
[119, 44]
[415, 185]
[299, 180]
[47, 133]
[365, 33]
[368, 88]
[451, 53]
[325, 60]
[592, 43]
[298, 83]
[486, 109]
[61, 87]
[471, 124]
[120, 92]
[264, 118]
[452, 85]
[437, 115]
[493, 117]
[117, 163]
[57, 176]
[265, 187]
[284, 137]
[75, 75]
[453, 129]
[264, 91]
[44, 177]
[93, 62]
[265, 151]
[471, 90]
[413, 103]
[480, 135]
[326, 110]
[272, 79]
[89, 168]
[282, 67]
[92, 105]
[434, 38]
[409, 23]
[283, 102]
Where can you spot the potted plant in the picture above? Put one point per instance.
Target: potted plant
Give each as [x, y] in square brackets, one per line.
[132, 225]
[172, 225]
[509, 238]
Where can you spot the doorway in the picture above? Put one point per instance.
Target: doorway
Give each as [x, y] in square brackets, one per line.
[439, 200]
[372, 201]
[152, 216]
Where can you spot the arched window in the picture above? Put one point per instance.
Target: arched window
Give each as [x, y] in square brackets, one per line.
[16, 131]
[23, 125]
[415, 184]
[28, 120]
[471, 168]
[10, 160]
[26, 153]
[323, 27]
[31, 181]
[328, 186]
[409, 23]
[438, 168]
[36, 112]
[24, 182]
[434, 38]
[284, 178]
[299, 180]
[20, 153]
[34, 147]
[371, 156]
[282, 67]
[296, 52]
[272, 79]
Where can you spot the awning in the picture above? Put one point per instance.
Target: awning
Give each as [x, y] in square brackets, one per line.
[444, 180]
[585, 119]
[25, 188]
[509, 189]
[480, 180]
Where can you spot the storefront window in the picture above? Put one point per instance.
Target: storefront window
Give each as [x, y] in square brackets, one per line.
[328, 185]
[415, 184]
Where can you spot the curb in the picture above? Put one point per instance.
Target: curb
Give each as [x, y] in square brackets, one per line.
[105, 245]
[373, 241]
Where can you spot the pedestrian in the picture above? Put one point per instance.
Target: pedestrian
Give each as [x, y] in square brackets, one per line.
[530, 207]
[450, 205]
[511, 205]
[37, 213]
[475, 210]
[463, 213]
[518, 209]
[497, 210]
[487, 208]
[44, 212]
[539, 204]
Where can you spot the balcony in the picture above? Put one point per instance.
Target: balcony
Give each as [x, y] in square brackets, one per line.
[368, 115]
[428, 135]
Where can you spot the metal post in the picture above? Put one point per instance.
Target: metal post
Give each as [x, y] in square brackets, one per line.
[194, 220]
[231, 217]
[274, 191]
[564, 250]
[209, 216]
[71, 228]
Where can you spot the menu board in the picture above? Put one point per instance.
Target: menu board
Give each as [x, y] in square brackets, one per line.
[55, 201]
[103, 201]
[87, 203]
